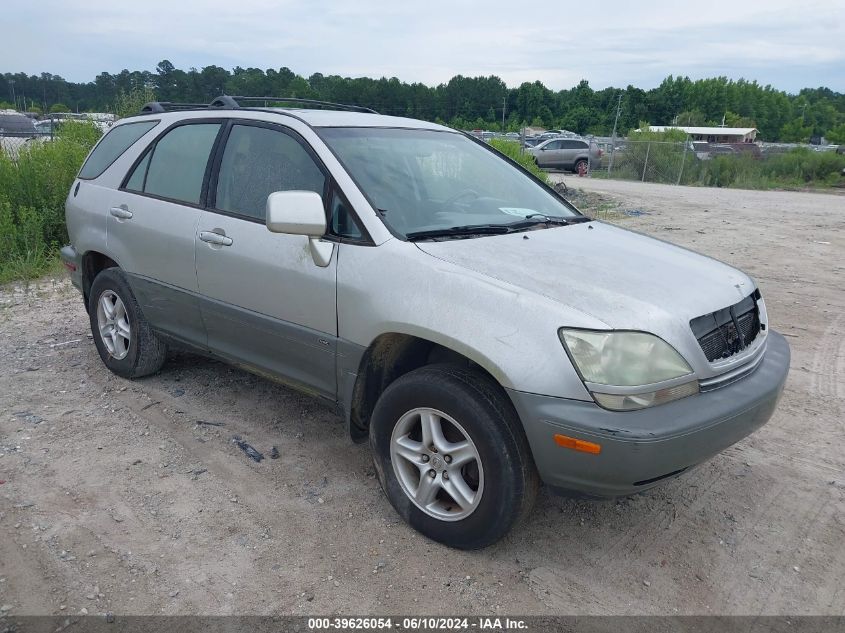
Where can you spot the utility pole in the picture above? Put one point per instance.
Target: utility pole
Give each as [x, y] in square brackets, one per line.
[504, 107]
[14, 101]
[613, 135]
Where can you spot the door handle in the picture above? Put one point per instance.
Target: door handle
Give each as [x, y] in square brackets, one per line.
[120, 212]
[215, 238]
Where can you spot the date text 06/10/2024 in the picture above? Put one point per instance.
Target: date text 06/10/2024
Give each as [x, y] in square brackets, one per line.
[422, 623]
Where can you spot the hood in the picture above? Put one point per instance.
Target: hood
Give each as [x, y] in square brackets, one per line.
[622, 278]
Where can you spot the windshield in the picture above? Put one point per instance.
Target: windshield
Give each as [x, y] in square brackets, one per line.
[427, 180]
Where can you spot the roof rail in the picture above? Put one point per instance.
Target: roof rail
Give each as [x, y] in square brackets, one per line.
[155, 107]
[232, 103]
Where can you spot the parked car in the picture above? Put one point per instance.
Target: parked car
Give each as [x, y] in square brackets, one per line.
[479, 331]
[16, 132]
[705, 150]
[15, 124]
[566, 153]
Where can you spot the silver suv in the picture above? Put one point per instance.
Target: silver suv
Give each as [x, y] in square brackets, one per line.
[571, 154]
[472, 325]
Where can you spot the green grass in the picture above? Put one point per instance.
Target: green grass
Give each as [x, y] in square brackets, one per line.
[33, 188]
[512, 151]
[798, 168]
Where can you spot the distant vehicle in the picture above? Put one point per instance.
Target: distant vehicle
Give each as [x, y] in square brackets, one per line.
[705, 151]
[567, 153]
[512, 135]
[16, 130]
[15, 124]
[102, 120]
[559, 134]
[46, 127]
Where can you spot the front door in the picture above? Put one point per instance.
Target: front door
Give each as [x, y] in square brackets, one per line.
[264, 301]
[550, 155]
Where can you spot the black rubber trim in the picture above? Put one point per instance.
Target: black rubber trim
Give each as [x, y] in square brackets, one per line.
[645, 482]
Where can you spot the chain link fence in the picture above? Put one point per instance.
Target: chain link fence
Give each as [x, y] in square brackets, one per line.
[11, 144]
[646, 161]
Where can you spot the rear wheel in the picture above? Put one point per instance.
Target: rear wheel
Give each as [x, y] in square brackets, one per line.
[452, 457]
[126, 342]
[581, 165]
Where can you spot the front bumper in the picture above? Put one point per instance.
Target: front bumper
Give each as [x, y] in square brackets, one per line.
[73, 263]
[639, 449]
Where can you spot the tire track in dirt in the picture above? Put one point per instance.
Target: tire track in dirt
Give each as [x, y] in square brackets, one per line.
[828, 377]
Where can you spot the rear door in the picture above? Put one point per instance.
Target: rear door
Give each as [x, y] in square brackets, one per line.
[264, 301]
[575, 150]
[569, 149]
[152, 222]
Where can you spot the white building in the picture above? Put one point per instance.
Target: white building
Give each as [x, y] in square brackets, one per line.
[712, 134]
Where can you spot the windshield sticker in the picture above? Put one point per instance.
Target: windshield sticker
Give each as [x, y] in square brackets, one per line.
[516, 211]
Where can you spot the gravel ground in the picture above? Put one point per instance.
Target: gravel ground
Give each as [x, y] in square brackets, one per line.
[130, 496]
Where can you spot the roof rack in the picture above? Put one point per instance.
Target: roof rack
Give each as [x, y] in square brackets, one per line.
[232, 103]
[155, 107]
[228, 101]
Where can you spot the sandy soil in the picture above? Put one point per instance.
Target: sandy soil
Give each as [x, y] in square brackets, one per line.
[120, 496]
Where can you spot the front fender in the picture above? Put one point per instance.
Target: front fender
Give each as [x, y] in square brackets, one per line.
[508, 331]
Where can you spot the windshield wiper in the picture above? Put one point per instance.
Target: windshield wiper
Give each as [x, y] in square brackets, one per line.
[461, 231]
[542, 218]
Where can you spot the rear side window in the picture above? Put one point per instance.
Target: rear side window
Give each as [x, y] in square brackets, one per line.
[177, 166]
[574, 145]
[258, 161]
[116, 141]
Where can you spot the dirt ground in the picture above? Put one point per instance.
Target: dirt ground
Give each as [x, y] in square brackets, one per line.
[130, 496]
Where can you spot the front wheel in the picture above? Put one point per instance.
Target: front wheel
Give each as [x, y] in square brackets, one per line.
[452, 457]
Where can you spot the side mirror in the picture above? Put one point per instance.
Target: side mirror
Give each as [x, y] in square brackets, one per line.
[301, 213]
[296, 213]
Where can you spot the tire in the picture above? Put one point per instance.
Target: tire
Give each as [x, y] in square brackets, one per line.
[143, 353]
[577, 167]
[501, 478]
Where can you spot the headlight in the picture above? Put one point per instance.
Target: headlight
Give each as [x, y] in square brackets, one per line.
[621, 369]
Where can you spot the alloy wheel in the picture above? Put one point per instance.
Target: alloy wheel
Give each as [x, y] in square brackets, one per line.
[437, 464]
[113, 324]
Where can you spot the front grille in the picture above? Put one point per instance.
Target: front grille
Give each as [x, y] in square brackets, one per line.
[723, 333]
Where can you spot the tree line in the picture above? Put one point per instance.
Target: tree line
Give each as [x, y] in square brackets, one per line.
[464, 102]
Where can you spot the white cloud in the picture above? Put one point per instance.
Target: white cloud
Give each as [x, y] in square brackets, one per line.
[608, 43]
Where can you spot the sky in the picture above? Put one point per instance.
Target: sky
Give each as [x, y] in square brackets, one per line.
[609, 43]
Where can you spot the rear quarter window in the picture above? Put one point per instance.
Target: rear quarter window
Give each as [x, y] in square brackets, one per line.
[116, 141]
[575, 145]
